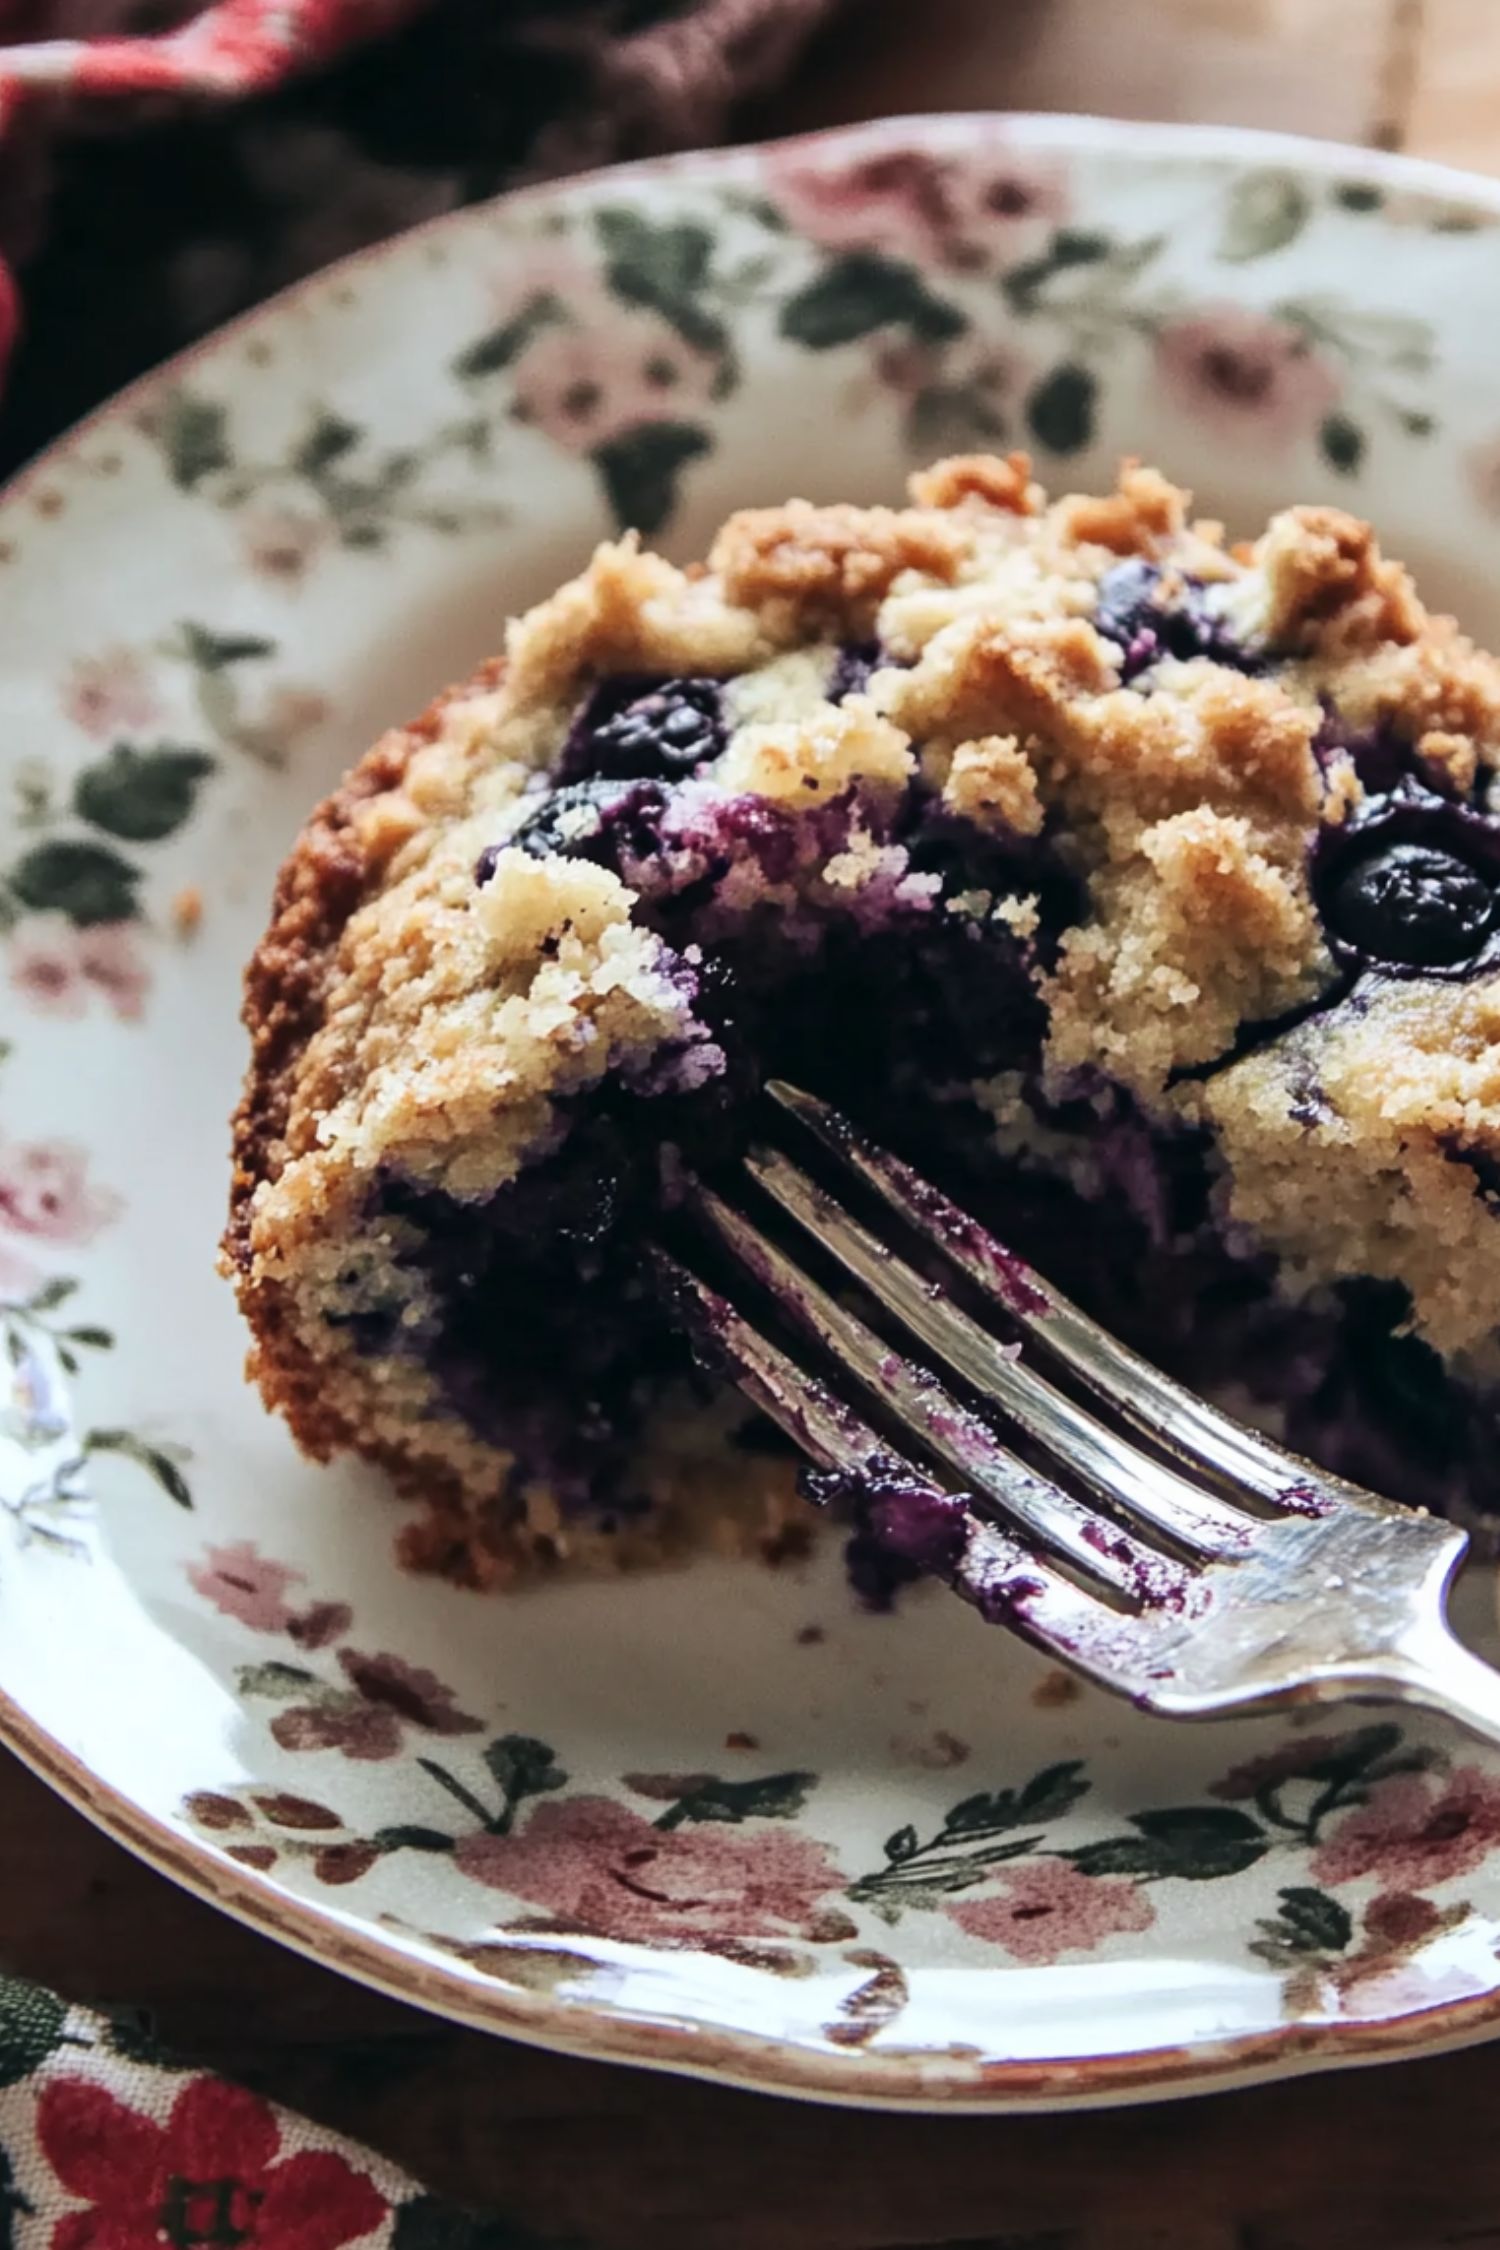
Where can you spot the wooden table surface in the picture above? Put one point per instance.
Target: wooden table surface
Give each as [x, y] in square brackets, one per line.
[1404, 2158]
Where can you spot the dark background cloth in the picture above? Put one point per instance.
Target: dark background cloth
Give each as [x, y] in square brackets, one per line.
[141, 226]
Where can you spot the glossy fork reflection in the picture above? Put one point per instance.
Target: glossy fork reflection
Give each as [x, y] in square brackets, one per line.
[1201, 1572]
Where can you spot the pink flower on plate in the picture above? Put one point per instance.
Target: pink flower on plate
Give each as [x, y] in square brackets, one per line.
[1416, 1830]
[242, 1582]
[583, 387]
[292, 712]
[45, 967]
[546, 266]
[971, 213]
[1251, 378]
[46, 1194]
[1046, 1908]
[365, 1721]
[54, 967]
[110, 693]
[1293, 1760]
[110, 960]
[897, 202]
[282, 543]
[1003, 203]
[597, 1866]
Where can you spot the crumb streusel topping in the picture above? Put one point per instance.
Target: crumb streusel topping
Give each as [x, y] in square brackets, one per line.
[1223, 815]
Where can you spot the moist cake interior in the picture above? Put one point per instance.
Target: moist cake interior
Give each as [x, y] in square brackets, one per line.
[1140, 892]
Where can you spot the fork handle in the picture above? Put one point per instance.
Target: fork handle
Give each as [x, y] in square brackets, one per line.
[1437, 1673]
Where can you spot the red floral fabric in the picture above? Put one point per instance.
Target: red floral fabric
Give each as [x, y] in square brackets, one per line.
[103, 2146]
[214, 2172]
[164, 166]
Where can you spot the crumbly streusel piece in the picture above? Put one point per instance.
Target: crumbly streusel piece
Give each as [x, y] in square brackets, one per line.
[1142, 888]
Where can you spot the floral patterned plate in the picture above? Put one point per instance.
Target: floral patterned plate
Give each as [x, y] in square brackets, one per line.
[717, 1820]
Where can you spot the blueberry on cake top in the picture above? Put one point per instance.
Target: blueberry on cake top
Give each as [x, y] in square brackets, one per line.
[1143, 891]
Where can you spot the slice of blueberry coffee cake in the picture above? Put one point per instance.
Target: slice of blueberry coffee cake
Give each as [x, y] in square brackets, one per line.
[1140, 890]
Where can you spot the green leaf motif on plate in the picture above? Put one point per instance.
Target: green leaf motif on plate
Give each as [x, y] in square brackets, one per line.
[772, 1796]
[1310, 1922]
[1060, 411]
[280, 1683]
[521, 1766]
[192, 433]
[862, 292]
[640, 469]
[213, 652]
[1070, 246]
[1196, 1843]
[154, 1459]
[141, 796]
[664, 269]
[330, 437]
[499, 348]
[1341, 442]
[1266, 211]
[89, 883]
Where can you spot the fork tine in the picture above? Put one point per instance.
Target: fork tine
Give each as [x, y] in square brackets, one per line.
[1005, 1580]
[1106, 1461]
[1174, 1417]
[1094, 1544]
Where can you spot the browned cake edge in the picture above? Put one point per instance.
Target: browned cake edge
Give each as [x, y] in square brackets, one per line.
[322, 882]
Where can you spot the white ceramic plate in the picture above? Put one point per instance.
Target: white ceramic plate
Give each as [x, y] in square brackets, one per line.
[718, 1821]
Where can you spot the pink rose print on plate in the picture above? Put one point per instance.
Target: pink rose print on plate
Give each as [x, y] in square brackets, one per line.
[978, 213]
[1417, 1830]
[291, 713]
[46, 1194]
[545, 273]
[282, 544]
[598, 1867]
[1249, 377]
[585, 387]
[366, 1720]
[1293, 1760]
[1390, 1972]
[242, 1582]
[1046, 1908]
[56, 968]
[110, 693]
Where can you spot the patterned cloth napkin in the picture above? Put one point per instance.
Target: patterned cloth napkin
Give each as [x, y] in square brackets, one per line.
[154, 181]
[104, 2145]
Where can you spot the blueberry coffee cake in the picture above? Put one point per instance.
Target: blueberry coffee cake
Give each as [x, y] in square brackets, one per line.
[1139, 889]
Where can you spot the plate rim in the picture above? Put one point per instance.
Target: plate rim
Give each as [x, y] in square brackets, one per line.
[935, 2082]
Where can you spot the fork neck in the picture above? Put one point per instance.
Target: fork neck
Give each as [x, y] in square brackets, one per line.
[1434, 1670]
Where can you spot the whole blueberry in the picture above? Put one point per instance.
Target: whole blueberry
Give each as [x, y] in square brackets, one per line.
[643, 730]
[594, 820]
[1412, 903]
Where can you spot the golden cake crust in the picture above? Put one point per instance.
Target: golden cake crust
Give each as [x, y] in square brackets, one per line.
[404, 1017]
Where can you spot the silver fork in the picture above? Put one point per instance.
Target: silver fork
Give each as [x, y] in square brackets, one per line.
[1222, 1574]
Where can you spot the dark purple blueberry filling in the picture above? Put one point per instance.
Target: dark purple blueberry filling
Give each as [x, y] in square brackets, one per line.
[1482, 1163]
[1414, 904]
[594, 820]
[1132, 611]
[552, 1342]
[1383, 760]
[855, 662]
[638, 728]
[1409, 884]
